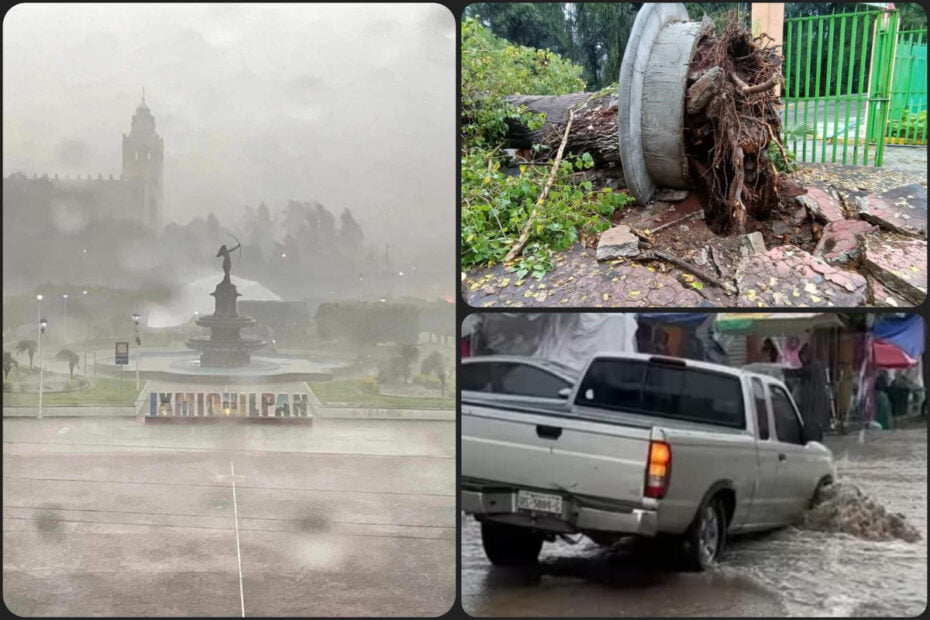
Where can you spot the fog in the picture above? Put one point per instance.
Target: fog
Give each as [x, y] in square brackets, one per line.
[349, 106]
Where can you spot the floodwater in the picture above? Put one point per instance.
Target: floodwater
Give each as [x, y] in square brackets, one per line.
[790, 572]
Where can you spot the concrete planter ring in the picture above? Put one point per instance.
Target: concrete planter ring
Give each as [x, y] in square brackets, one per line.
[651, 99]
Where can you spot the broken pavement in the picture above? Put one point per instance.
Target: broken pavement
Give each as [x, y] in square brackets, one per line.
[844, 236]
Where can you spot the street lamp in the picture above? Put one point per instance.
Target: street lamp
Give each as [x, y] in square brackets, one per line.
[136, 317]
[64, 321]
[43, 324]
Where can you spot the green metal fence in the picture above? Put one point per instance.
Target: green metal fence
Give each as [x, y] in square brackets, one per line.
[907, 123]
[838, 85]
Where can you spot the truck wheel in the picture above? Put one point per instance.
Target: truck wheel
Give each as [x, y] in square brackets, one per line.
[706, 537]
[509, 545]
[822, 486]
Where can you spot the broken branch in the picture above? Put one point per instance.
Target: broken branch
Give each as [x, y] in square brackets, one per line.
[528, 227]
[658, 254]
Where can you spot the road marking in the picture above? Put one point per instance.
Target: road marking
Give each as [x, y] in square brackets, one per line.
[232, 472]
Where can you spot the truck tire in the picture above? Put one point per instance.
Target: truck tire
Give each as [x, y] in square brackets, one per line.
[706, 538]
[509, 545]
[821, 487]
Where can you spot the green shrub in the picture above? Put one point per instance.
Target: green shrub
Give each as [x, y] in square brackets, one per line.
[428, 381]
[496, 201]
[908, 126]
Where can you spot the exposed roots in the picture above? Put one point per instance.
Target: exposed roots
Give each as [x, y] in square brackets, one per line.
[728, 139]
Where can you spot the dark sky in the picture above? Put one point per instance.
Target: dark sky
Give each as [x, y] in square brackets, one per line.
[350, 105]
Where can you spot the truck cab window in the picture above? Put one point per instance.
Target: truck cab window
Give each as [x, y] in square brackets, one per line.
[787, 425]
[528, 381]
[762, 408]
[476, 378]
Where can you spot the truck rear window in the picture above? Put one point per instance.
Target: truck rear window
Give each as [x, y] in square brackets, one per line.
[663, 390]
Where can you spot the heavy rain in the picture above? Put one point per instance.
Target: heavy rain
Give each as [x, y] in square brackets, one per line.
[228, 322]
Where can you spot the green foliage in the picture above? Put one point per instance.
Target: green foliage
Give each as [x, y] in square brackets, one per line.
[496, 204]
[782, 164]
[909, 125]
[589, 34]
[493, 68]
[99, 391]
[497, 197]
[365, 393]
[534, 24]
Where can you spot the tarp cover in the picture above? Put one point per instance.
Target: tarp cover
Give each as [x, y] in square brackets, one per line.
[567, 338]
[907, 333]
[775, 323]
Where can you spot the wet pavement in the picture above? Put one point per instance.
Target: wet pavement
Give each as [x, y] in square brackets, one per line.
[105, 516]
[787, 572]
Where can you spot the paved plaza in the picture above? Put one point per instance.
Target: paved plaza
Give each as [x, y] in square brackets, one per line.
[108, 516]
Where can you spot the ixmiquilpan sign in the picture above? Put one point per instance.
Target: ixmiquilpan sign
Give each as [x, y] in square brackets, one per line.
[229, 404]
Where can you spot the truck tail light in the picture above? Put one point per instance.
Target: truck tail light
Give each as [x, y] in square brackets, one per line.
[658, 468]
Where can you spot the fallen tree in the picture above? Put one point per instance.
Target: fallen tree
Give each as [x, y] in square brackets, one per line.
[594, 130]
[731, 121]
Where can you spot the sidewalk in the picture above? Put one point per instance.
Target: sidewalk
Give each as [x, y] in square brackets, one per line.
[90, 411]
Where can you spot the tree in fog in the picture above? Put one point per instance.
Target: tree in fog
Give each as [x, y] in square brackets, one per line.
[435, 364]
[405, 357]
[8, 364]
[72, 359]
[28, 347]
[350, 232]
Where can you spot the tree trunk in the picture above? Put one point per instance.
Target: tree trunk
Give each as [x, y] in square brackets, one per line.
[594, 129]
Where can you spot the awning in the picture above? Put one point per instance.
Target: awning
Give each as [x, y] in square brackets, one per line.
[887, 355]
[775, 323]
[905, 332]
[898, 342]
[672, 318]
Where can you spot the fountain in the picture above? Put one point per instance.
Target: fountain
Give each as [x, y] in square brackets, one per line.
[226, 347]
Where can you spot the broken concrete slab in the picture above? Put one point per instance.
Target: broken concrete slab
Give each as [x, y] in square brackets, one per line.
[900, 265]
[902, 209]
[823, 207]
[789, 276]
[617, 242]
[753, 243]
[842, 242]
[879, 295]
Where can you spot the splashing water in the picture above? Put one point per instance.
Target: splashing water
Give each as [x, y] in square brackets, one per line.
[843, 508]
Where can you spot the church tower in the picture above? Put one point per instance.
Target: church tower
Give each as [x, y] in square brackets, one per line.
[143, 160]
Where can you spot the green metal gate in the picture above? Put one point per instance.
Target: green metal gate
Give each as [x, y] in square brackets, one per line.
[907, 123]
[837, 95]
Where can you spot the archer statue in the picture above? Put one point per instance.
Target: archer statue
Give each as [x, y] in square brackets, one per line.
[227, 263]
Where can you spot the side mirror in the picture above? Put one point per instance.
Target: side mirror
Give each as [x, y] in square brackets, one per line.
[565, 393]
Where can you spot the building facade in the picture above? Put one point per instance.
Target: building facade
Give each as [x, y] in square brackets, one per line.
[137, 195]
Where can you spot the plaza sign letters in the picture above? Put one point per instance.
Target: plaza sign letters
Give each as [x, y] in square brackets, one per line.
[231, 404]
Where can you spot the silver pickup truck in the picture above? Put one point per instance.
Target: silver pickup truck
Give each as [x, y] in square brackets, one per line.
[645, 446]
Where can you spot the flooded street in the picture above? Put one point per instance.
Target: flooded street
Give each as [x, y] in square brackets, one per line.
[787, 572]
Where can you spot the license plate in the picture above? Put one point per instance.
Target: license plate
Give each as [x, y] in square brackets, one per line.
[539, 502]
